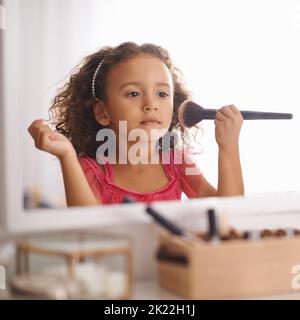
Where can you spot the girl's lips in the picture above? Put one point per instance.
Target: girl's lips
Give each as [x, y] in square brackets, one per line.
[150, 122]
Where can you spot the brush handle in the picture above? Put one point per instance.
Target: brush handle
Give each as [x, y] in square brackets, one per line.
[212, 224]
[167, 224]
[256, 115]
[210, 114]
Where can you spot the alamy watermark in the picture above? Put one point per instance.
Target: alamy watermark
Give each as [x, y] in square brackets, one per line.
[2, 18]
[296, 278]
[138, 152]
[2, 278]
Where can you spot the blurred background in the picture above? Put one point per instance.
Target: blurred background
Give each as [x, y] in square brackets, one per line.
[230, 52]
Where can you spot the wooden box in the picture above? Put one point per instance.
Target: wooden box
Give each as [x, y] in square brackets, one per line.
[227, 269]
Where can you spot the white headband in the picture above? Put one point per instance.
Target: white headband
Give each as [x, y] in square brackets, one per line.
[94, 79]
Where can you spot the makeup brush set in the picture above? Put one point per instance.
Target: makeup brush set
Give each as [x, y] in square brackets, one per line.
[228, 264]
[221, 261]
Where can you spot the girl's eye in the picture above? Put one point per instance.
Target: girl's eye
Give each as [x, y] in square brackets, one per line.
[163, 94]
[133, 94]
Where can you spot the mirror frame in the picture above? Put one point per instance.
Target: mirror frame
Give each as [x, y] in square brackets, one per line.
[16, 219]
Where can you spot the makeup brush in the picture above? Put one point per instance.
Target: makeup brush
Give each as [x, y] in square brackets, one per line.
[164, 222]
[190, 113]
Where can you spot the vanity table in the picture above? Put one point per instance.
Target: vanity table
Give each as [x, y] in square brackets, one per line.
[249, 213]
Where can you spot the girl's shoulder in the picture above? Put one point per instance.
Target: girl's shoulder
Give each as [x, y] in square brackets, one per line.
[89, 163]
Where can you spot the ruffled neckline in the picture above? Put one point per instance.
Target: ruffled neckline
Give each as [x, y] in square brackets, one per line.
[108, 175]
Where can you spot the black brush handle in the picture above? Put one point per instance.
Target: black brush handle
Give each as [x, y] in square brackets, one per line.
[167, 224]
[163, 254]
[212, 224]
[210, 114]
[258, 115]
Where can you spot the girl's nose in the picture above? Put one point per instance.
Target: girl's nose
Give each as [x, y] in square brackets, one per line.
[149, 103]
[149, 108]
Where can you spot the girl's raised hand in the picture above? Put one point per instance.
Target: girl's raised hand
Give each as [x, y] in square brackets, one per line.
[228, 123]
[50, 141]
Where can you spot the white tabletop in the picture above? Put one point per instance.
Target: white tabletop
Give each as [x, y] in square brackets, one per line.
[150, 290]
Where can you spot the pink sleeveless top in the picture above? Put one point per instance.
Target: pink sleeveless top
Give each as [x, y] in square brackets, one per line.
[102, 182]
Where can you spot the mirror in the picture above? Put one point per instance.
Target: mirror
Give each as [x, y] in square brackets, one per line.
[225, 58]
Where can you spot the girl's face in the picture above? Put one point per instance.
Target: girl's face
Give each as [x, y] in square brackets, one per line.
[139, 91]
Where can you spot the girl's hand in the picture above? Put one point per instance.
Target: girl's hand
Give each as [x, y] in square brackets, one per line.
[228, 123]
[50, 141]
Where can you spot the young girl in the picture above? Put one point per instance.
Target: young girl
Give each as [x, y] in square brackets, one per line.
[132, 88]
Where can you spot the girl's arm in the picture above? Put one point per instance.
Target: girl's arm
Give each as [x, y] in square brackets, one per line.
[230, 180]
[228, 123]
[77, 190]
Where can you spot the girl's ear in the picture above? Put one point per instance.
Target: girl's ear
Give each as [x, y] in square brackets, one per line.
[101, 114]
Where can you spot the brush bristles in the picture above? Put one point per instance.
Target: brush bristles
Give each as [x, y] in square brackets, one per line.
[188, 114]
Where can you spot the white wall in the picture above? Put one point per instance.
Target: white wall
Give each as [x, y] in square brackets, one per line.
[241, 52]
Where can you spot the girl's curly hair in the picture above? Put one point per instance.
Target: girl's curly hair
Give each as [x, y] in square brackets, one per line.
[72, 109]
